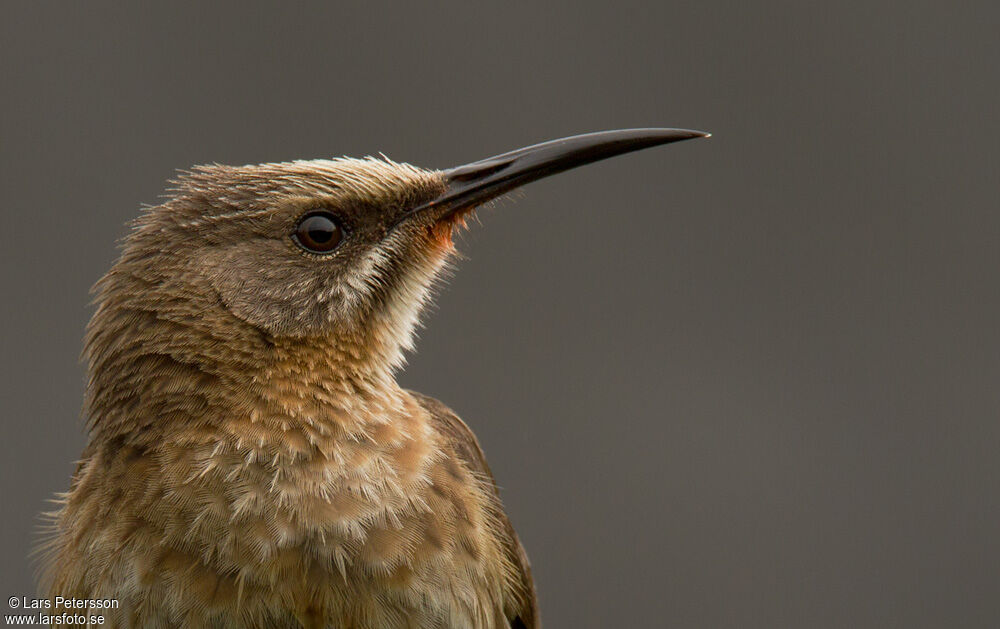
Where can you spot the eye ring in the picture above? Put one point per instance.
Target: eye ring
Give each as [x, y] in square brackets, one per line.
[318, 232]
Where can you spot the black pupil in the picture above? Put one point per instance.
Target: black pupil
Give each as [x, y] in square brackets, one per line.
[318, 232]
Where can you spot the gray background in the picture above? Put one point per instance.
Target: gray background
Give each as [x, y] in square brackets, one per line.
[744, 382]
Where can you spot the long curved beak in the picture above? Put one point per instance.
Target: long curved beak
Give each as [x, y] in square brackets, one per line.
[478, 182]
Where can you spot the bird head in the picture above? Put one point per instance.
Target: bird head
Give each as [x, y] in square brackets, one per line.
[340, 253]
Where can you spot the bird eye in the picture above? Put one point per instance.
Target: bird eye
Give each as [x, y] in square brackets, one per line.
[318, 232]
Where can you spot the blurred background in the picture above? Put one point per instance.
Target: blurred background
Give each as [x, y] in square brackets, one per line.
[744, 382]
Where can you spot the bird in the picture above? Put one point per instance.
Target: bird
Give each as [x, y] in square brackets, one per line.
[251, 460]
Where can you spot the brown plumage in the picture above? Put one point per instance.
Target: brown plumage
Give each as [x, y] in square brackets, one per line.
[252, 461]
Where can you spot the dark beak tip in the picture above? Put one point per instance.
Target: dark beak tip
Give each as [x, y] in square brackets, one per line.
[694, 134]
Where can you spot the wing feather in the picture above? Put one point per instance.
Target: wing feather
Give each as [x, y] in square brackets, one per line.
[522, 610]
